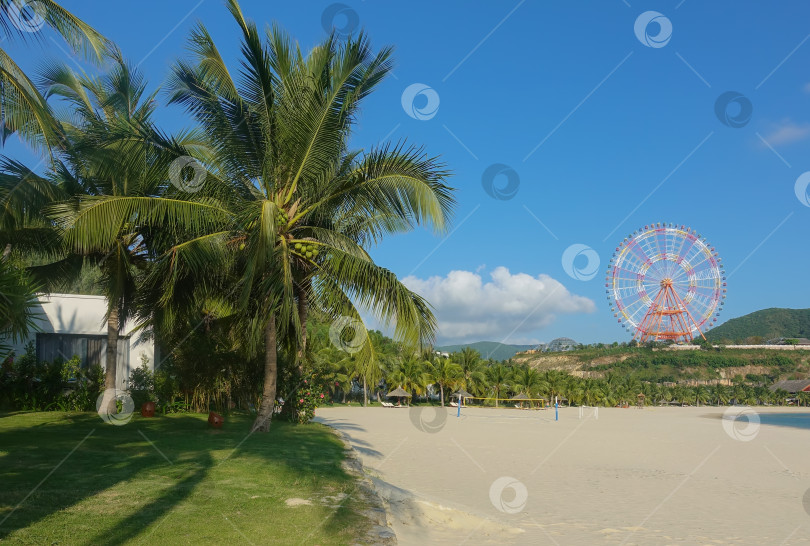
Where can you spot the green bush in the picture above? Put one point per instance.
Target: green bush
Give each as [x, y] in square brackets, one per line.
[142, 384]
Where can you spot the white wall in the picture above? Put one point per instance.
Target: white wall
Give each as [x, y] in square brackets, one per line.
[81, 314]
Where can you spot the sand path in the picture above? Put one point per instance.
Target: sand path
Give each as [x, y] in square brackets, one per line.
[652, 476]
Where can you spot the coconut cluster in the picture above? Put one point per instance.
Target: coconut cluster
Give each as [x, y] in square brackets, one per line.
[306, 250]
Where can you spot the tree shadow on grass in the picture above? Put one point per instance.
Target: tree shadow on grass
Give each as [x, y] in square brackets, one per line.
[114, 483]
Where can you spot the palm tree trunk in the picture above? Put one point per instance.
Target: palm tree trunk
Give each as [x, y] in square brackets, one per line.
[111, 364]
[365, 393]
[265, 413]
[441, 389]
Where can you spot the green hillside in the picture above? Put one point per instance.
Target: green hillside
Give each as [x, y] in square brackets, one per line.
[489, 349]
[767, 324]
[757, 366]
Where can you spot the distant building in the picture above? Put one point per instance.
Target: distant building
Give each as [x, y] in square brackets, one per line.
[792, 386]
[441, 353]
[789, 341]
[561, 344]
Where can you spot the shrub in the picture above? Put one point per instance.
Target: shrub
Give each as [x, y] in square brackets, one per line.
[142, 384]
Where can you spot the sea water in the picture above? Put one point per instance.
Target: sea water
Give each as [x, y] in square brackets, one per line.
[795, 420]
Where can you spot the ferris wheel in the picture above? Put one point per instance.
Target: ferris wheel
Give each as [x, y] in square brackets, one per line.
[666, 283]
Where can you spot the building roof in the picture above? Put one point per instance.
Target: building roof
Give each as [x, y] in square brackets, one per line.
[795, 385]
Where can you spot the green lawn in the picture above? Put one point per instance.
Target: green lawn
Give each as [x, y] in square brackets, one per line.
[192, 484]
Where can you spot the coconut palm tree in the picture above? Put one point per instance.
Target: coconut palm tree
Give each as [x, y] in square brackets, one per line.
[105, 158]
[498, 378]
[283, 211]
[700, 395]
[411, 375]
[527, 380]
[444, 373]
[23, 109]
[17, 298]
[719, 394]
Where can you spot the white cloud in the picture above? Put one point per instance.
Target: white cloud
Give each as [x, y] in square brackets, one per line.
[469, 309]
[786, 132]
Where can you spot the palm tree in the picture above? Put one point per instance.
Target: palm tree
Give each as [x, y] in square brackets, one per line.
[700, 395]
[527, 380]
[556, 383]
[472, 371]
[285, 209]
[719, 394]
[24, 109]
[498, 377]
[103, 159]
[411, 375]
[17, 299]
[445, 373]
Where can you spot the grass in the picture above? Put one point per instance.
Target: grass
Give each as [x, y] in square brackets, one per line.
[171, 480]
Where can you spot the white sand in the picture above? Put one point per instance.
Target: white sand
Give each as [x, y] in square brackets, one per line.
[651, 476]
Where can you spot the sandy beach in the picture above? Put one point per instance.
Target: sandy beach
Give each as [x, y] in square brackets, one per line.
[622, 476]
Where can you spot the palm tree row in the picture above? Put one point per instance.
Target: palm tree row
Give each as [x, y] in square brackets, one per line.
[495, 382]
[259, 213]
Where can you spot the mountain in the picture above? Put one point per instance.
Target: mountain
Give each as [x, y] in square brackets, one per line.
[489, 349]
[767, 324]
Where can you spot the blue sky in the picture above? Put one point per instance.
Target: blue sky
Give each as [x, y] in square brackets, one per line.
[604, 134]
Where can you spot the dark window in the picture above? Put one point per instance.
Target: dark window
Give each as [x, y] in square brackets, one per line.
[89, 349]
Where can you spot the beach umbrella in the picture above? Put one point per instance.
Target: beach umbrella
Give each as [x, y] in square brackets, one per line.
[461, 393]
[520, 398]
[399, 392]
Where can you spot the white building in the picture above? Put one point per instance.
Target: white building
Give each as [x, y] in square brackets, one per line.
[73, 324]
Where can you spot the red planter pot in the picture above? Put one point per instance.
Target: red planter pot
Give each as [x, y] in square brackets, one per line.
[215, 420]
[148, 409]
